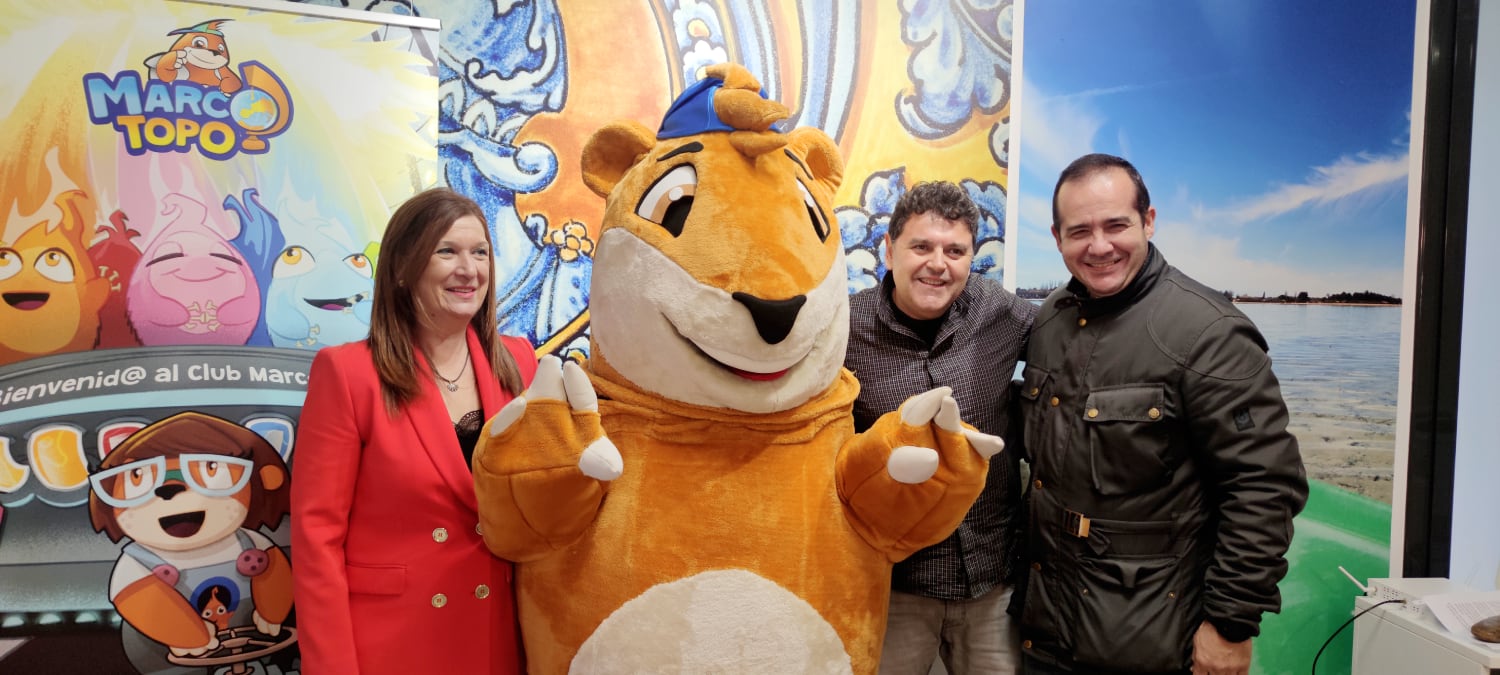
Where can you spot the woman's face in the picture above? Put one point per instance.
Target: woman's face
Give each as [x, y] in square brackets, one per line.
[452, 288]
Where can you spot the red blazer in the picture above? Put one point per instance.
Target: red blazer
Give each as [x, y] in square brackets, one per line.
[389, 570]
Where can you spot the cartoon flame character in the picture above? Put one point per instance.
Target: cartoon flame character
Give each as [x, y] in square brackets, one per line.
[115, 256]
[215, 607]
[192, 492]
[199, 55]
[50, 294]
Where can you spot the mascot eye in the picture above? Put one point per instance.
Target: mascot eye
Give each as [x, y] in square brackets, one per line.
[294, 261]
[10, 263]
[200, 42]
[214, 475]
[55, 265]
[360, 264]
[670, 200]
[814, 212]
[138, 481]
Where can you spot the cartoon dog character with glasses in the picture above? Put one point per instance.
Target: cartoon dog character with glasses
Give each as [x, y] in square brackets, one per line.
[192, 492]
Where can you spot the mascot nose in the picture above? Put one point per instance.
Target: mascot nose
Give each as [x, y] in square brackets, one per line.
[773, 318]
[170, 490]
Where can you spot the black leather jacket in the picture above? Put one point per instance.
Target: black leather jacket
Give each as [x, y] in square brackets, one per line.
[1164, 481]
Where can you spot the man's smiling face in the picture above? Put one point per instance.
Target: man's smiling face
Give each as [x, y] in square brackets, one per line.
[929, 263]
[1103, 239]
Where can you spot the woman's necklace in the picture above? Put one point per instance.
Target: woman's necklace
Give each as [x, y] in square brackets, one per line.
[453, 383]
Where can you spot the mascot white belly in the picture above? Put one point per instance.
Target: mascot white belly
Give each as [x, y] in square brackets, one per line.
[749, 624]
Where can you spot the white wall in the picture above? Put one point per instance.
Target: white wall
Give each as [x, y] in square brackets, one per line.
[1476, 492]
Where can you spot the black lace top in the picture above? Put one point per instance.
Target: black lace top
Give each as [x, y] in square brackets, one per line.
[467, 429]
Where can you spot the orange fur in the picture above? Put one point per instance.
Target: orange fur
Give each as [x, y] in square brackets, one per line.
[762, 508]
[162, 614]
[272, 589]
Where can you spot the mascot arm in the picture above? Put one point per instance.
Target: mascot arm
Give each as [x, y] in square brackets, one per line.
[542, 463]
[908, 480]
[167, 65]
[272, 592]
[159, 612]
[228, 81]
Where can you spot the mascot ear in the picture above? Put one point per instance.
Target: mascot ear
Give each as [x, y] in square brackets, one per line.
[821, 155]
[611, 151]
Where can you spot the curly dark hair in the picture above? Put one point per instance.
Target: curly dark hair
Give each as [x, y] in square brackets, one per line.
[940, 197]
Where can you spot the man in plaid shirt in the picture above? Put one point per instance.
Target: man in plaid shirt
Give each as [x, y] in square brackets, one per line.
[929, 325]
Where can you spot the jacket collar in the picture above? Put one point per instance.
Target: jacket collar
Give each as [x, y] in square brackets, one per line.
[886, 310]
[428, 416]
[1143, 282]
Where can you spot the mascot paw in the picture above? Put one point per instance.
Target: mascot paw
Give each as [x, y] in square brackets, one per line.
[913, 464]
[213, 643]
[265, 627]
[601, 460]
[934, 404]
[558, 382]
[917, 457]
[909, 478]
[542, 464]
[985, 444]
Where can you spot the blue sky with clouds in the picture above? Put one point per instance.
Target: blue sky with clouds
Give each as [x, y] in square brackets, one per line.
[1272, 134]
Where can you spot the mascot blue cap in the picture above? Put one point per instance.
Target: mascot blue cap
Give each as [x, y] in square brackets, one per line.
[693, 111]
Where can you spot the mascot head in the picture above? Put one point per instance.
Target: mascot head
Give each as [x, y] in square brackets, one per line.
[719, 275]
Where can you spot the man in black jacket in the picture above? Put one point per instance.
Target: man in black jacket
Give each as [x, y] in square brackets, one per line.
[1164, 481]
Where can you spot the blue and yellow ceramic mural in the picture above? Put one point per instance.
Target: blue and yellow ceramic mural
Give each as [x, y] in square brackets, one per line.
[911, 91]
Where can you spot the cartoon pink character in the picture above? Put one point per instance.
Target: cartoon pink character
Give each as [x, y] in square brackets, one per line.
[191, 286]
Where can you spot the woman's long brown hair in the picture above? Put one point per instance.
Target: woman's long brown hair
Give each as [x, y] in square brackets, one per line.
[410, 238]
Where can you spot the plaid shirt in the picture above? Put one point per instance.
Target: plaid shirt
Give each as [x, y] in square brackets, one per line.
[975, 353]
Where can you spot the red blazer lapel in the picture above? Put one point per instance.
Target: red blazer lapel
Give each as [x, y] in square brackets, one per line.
[429, 418]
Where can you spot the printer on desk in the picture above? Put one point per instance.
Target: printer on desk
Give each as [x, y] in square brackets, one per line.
[1406, 639]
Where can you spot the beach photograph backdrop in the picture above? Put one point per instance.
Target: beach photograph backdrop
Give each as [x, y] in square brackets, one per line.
[1273, 137]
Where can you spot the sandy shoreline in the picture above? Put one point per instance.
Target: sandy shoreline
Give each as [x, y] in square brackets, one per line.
[1352, 452]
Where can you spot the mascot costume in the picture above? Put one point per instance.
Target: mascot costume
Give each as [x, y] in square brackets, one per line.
[694, 497]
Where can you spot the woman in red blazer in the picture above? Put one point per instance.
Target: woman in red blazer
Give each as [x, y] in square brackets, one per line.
[390, 572]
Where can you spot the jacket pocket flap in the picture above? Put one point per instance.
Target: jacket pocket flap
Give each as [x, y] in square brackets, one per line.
[1033, 382]
[1133, 403]
[376, 579]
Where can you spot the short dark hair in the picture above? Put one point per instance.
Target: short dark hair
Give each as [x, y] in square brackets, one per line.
[1089, 165]
[940, 197]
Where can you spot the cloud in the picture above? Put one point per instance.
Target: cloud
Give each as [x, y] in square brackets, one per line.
[1345, 178]
[1053, 131]
[1217, 262]
[1056, 129]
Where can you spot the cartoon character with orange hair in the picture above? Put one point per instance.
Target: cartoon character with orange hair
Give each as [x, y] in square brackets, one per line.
[50, 293]
[192, 492]
[199, 55]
